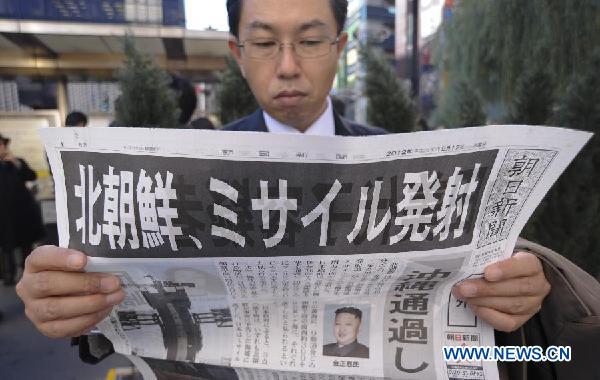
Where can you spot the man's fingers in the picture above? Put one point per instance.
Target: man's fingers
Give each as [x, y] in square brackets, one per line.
[57, 308]
[54, 258]
[509, 305]
[64, 328]
[518, 287]
[498, 320]
[62, 300]
[52, 283]
[522, 264]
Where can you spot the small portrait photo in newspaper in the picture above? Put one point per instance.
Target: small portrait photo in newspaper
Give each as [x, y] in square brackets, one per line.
[346, 330]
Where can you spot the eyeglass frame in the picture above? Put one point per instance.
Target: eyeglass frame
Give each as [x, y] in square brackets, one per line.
[291, 44]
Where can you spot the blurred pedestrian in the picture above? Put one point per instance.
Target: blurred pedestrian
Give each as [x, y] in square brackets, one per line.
[76, 119]
[202, 123]
[20, 215]
[186, 98]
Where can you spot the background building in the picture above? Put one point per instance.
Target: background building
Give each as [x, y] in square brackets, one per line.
[64, 55]
[164, 12]
[370, 24]
[429, 15]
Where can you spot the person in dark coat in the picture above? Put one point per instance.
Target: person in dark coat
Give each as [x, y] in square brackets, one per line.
[20, 216]
[76, 119]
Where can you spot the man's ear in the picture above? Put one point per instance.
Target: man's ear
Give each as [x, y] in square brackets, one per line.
[237, 54]
[342, 44]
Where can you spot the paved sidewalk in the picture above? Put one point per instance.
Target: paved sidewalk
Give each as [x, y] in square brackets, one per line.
[25, 354]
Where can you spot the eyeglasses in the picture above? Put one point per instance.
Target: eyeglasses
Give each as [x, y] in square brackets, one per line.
[268, 48]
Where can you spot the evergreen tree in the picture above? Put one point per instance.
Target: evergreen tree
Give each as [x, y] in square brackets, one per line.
[234, 96]
[146, 99]
[389, 105]
[533, 99]
[460, 107]
[568, 220]
[489, 43]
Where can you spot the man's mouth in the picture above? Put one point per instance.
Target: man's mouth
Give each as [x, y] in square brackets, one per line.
[289, 98]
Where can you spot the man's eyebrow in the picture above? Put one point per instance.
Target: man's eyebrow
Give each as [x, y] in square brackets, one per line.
[316, 23]
[260, 25]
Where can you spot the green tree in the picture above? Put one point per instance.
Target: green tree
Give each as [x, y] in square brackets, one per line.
[460, 107]
[389, 105]
[234, 96]
[568, 220]
[533, 100]
[146, 99]
[489, 43]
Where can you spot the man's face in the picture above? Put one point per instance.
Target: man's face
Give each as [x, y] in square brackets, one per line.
[3, 149]
[291, 89]
[346, 328]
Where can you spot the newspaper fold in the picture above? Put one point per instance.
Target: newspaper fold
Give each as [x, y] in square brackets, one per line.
[303, 254]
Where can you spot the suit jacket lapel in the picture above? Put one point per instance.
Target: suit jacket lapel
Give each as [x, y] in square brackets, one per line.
[258, 121]
[341, 129]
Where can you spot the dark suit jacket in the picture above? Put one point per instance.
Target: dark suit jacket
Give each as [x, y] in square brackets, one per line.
[343, 127]
[354, 350]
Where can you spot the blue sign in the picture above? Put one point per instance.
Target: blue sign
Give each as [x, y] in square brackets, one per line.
[97, 11]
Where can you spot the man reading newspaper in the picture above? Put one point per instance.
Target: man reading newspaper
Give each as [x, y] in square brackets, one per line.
[288, 52]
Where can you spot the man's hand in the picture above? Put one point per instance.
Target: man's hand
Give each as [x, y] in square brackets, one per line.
[510, 293]
[60, 299]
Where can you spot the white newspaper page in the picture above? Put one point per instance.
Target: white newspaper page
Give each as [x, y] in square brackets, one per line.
[261, 255]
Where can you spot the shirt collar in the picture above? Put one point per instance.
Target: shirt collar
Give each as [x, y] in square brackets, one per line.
[323, 126]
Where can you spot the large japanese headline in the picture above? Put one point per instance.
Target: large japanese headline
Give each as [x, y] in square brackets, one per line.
[139, 206]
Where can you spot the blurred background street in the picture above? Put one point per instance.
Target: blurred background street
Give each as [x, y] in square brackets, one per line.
[25, 354]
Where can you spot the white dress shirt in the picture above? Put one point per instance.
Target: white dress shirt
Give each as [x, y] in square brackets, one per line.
[323, 126]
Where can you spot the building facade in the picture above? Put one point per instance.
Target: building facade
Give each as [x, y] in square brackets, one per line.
[429, 17]
[371, 23]
[157, 12]
[66, 54]
[59, 56]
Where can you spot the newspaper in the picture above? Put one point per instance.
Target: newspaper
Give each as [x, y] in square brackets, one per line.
[263, 256]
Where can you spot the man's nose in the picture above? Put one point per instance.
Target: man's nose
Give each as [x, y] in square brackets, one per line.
[288, 64]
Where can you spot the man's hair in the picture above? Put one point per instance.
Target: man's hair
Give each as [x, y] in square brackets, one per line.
[349, 310]
[234, 11]
[75, 118]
